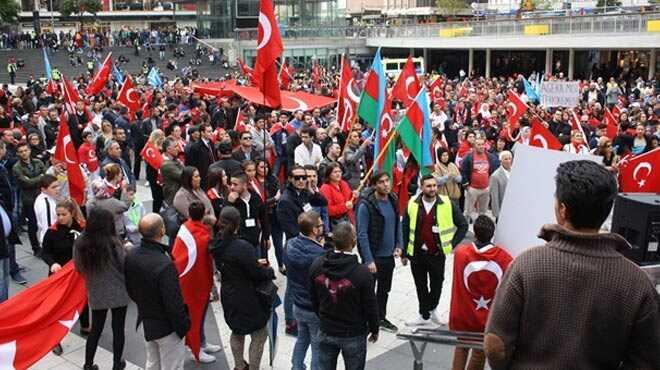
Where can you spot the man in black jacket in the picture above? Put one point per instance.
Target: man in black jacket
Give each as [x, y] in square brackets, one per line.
[254, 227]
[202, 153]
[342, 294]
[295, 200]
[153, 283]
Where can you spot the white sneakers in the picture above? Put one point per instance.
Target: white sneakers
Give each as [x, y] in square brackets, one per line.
[418, 321]
[435, 317]
[211, 348]
[205, 358]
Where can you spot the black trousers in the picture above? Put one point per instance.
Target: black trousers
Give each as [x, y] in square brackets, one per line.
[428, 272]
[28, 212]
[383, 279]
[98, 322]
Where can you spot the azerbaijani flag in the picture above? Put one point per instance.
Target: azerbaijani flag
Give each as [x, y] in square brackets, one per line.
[372, 99]
[415, 130]
[383, 142]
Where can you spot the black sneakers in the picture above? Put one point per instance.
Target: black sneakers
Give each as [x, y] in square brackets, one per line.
[386, 325]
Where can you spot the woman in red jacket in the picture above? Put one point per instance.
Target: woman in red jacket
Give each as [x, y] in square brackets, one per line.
[338, 194]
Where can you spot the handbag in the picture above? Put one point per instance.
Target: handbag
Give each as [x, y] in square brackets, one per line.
[266, 293]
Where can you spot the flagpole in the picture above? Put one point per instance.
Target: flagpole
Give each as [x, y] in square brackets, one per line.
[380, 156]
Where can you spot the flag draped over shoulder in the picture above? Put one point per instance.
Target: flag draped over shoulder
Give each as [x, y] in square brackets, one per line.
[194, 265]
[415, 130]
[37, 319]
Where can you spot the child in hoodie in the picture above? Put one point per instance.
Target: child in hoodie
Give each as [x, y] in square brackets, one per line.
[133, 216]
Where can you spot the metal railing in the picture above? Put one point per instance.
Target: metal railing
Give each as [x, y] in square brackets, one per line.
[561, 25]
[420, 337]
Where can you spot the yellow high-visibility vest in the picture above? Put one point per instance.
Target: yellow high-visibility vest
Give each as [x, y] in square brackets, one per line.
[443, 219]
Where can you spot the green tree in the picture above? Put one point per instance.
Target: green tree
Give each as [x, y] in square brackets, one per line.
[450, 7]
[79, 8]
[9, 12]
[607, 3]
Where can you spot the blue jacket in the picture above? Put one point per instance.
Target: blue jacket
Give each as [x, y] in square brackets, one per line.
[301, 253]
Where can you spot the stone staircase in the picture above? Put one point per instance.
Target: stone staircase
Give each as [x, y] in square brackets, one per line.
[34, 63]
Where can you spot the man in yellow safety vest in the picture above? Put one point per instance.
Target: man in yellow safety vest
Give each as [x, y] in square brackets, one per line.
[432, 226]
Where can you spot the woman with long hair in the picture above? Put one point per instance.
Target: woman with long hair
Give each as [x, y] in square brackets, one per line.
[156, 139]
[113, 178]
[105, 136]
[191, 191]
[338, 194]
[217, 183]
[605, 150]
[263, 177]
[241, 272]
[99, 256]
[58, 247]
[448, 175]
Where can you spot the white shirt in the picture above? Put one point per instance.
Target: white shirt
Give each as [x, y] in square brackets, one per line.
[438, 120]
[302, 155]
[571, 149]
[42, 205]
[428, 205]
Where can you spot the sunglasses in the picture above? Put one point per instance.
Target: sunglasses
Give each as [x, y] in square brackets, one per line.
[247, 138]
[301, 177]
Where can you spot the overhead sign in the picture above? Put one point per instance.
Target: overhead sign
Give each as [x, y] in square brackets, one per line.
[560, 93]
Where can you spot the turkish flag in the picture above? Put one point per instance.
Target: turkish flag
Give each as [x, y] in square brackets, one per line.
[285, 75]
[477, 273]
[52, 88]
[37, 319]
[610, 121]
[71, 96]
[146, 107]
[269, 49]
[542, 137]
[128, 96]
[635, 173]
[516, 109]
[194, 266]
[616, 111]
[66, 152]
[347, 100]
[246, 71]
[240, 125]
[101, 78]
[152, 156]
[407, 85]
[316, 75]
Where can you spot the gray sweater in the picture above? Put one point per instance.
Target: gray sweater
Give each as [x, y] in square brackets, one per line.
[574, 303]
[106, 289]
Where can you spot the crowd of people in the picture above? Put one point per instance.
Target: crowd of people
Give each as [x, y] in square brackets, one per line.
[296, 183]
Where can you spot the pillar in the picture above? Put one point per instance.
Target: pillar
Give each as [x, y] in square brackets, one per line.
[412, 52]
[571, 63]
[487, 63]
[470, 61]
[548, 61]
[425, 55]
[652, 62]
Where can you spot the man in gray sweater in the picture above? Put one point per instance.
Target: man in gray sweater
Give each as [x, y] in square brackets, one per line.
[576, 302]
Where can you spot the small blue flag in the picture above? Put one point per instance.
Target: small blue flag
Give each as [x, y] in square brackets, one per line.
[117, 73]
[154, 78]
[532, 94]
[49, 73]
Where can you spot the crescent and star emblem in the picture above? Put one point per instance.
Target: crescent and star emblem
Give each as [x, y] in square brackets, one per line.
[301, 104]
[540, 138]
[513, 109]
[476, 266]
[350, 92]
[150, 152]
[409, 80]
[642, 182]
[348, 113]
[67, 140]
[188, 240]
[385, 125]
[266, 30]
[131, 96]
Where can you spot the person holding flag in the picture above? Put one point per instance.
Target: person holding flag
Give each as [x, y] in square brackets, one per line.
[195, 268]
[432, 226]
[478, 268]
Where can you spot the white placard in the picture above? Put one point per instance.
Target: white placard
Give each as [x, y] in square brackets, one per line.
[560, 93]
[530, 197]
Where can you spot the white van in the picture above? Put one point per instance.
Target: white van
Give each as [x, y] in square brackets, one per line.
[393, 67]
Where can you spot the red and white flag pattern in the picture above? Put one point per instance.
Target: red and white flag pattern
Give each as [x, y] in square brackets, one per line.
[194, 266]
[70, 94]
[152, 156]
[574, 120]
[128, 96]
[541, 137]
[37, 319]
[638, 174]
[240, 125]
[477, 273]
[407, 85]
[516, 108]
[101, 77]
[66, 152]
[612, 127]
[347, 100]
[269, 50]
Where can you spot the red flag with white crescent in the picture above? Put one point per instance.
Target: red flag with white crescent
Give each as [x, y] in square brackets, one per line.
[128, 96]
[194, 266]
[541, 137]
[240, 125]
[70, 95]
[246, 71]
[477, 273]
[38, 318]
[66, 152]
[407, 85]
[285, 75]
[101, 77]
[612, 127]
[638, 174]
[516, 108]
[347, 100]
[269, 49]
[152, 156]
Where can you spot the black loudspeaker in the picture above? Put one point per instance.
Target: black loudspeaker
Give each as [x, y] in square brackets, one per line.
[637, 218]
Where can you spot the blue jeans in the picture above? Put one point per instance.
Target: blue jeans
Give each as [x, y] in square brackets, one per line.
[288, 304]
[308, 333]
[353, 349]
[4, 279]
[278, 240]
